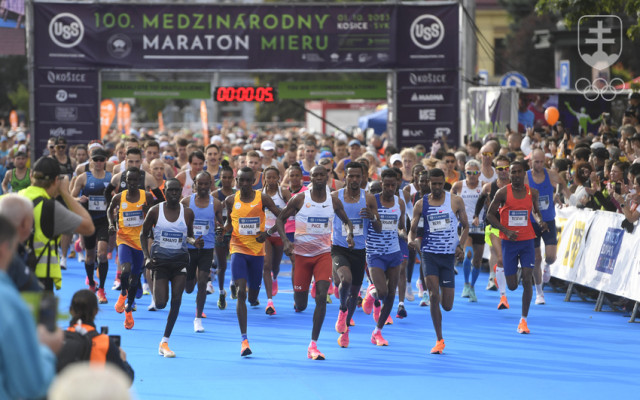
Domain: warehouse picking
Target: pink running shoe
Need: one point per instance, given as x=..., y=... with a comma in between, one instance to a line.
x=367, y=303
x=341, y=324
x=378, y=340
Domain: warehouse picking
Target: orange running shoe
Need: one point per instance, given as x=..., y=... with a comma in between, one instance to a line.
x=504, y=304
x=102, y=298
x=343, y=339
x=245, y=350
x=522, y=327
x=341, y=323
x=389, y=321
x=120, y=304
x=128, y=320
x=438, y=348
x=313, y=352
x=165, y=351
x=378, y=340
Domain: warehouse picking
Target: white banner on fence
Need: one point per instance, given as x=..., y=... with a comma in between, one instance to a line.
x=572, y=224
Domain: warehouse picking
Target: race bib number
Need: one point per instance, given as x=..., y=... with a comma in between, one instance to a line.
x=200, y=227
x=389, y=222
x=249, y=226
x=518, y=218
x=477, y=229
x=318, y=225
x=97, y=203
x=132, y=218
x=438, y=222
x=544, y=202
x=358, y=227
x=171, y=240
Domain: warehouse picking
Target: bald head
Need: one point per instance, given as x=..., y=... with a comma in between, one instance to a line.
x=157, y=169
x=537, y=160
x=19, y=211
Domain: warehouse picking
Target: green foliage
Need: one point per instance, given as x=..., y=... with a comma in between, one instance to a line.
x=13, y=70
x=20, y=99
x=150, y=109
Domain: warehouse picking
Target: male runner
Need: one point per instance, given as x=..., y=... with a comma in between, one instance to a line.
x=516, y=202
x=349, y=264
x=384, y=254
x=545, y=182
x=440, y=246
x=131, y=206
x=313, y=210
x=207, y=210
x=172, y=227
x=89, y=191
x=196, y=162
x=17, y=178
x=247, y=219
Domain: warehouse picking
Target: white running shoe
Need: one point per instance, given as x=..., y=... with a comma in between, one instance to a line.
x=210, y=289
x=116, y=284
x=420, y=287
x=540, y=299
x=546, y=274
x=146, y=290
x=197, y=325
x=63, y=262
x=152, y=306
x=424, y=302
x=81, y=257
x=409, y=294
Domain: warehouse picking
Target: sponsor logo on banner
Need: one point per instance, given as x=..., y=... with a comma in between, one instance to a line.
x=609, y=250
x=65, y=132
x=427, y=31
x=412, y=132
x=119, y=45
x=62, y=95
x=66, y=30
x=427, y=97
x=427, y=114
x=442, y=132
x=427, y=78
x=66, y=77
x=66, y=113
x=573, y=247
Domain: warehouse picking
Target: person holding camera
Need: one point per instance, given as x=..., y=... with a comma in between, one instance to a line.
x=105, y=348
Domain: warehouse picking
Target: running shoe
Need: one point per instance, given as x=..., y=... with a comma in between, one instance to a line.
x=313, y=290
x=540, y=299
x=343, y=339
x=146, y=290
x=424, y=302
x=402, y=313
x=420, y=287
x=359, y=302
x=133, y=306
x=472, y=295
x=376, y=311
x=336, y=292
x=102, y=298
x=165, y=351
x=152, y=306
x=378, y=340
x=352, y=322
x=255, y=303
x=270, y=310
x=274, y=287
x=504, y=304
x=128, y=320
x=546, y=274
x=203, y=314
x=313, y=352
x=210, y=289
x=341, y=324
x=139, y=292
x=93, y=287
x=232, y=289
x=116, y=284
x=408, y=294
x=522, y=327
x=329, y=301
x=197, y=325
x=465, y=291
x=81, y=257
x=492, y=285
x=367, y=303
x=389, y=321
x=455, y=270
x=120, y=304
x=222, y=301
x=244, y=349
x=438, y=348
x=330, y=290
x=63, y=262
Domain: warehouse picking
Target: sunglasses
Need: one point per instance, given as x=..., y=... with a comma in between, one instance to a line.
x=502, y=168
x=51, y=147
x=487, y=154
x=170, y=158
x=61, y=147
x=99, y=159
x=472, y=173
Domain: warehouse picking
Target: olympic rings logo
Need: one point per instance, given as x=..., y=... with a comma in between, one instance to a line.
x=599, y=88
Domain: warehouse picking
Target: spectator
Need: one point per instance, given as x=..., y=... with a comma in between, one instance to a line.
x=581, y=196
x=47, y=183
x=26, y=366
x=85, y=382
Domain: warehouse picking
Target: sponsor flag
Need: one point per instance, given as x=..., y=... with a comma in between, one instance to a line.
x=13, y=119
x=205, y=122
x=107, y=114
x=126, y=119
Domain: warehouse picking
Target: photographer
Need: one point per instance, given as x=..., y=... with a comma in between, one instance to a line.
x=83, y=310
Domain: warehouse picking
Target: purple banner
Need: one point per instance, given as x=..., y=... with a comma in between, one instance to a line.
x=428, y=107
x=246, y=37
x=67, y=104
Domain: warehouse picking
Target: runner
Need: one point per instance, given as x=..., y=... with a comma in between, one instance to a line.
x=131, y=206
x=544, y=181
x=273, y=247
x=296, y=185
x=247, y=222
x=309, y=161
x=440, y=246
x=313, y=211
x=404, y=248
x=222, y=242
x=213, y=167
x=469, y=190
x=17, y=178
x=516, y=202
x=254, y=161
x=349, y=263
x=412, y=191
x=384, y=254
x=207, y=210
x=171, y=225
x=196, y=163
x=89, y=191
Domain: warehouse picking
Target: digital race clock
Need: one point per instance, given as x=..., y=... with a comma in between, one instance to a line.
x=265, y=94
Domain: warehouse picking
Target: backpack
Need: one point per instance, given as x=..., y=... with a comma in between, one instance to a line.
x=47, y=227
x=76, y=348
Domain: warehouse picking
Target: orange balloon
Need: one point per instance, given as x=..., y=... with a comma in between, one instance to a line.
x=551, y=114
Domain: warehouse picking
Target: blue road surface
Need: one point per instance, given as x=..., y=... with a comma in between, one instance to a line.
x=572, y=351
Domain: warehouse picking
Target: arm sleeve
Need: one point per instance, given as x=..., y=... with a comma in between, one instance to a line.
x=480, y=204
x=107, y=192
x=65, y=221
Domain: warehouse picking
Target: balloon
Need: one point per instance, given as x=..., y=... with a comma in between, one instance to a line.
x=551, y=114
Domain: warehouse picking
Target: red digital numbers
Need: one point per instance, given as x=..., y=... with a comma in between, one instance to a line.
x=265, y=94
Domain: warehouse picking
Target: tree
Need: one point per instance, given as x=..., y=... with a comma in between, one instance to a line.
x=20, y=98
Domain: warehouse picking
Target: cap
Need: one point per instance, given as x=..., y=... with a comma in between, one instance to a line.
x=355, y=142
x=236, y=151
x=277, y=137
x=98, y=152
x=395, y=158
x=94, y=146
x=21, y=137
x=597, y=145
x=267, y=145
x=601, y=153
x=248, y=147
x=46, y=167
x=20, y=154
x=326, y=154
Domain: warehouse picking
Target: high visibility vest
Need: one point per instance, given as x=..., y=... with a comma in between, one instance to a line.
x=48, y=265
